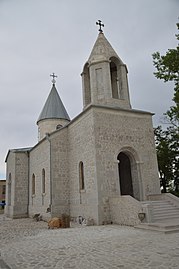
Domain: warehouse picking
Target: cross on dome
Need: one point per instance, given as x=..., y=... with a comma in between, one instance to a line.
x=54, y=76
x=100, y=25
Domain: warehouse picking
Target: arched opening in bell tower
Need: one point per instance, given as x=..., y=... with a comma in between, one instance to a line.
x=114, y=80
x=86, y=85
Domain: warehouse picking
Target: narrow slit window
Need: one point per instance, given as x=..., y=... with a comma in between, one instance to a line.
x=33, y=184
x=81, y=176
x=9, y=189
x=43, y=180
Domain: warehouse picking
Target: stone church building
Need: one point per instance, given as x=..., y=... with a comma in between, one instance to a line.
x=99, y=165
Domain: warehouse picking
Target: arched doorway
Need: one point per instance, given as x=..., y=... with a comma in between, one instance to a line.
x=125, y=175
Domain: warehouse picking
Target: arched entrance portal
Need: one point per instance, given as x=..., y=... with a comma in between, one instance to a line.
x=125, y=177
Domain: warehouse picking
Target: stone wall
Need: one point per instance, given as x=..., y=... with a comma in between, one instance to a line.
x=124, y=210
x=21, y=185
x=60, y=172
x=40, y=159
x=81, y=148
x=17, y=166
x=10, y=184
x=130, y=132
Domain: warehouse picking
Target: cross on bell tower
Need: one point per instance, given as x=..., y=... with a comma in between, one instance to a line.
x=54, y=76
x=100, y=25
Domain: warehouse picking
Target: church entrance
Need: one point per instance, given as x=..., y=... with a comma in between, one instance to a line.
x=125, y=177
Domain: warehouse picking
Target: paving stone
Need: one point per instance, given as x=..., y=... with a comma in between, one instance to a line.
x=29, y=244
x=3, y=265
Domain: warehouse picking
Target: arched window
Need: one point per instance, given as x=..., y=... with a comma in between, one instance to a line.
x=81, y=176
x=33, y=184
x=43, y=180
x=59, y=126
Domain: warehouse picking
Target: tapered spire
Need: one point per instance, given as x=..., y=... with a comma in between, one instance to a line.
x=102, y=50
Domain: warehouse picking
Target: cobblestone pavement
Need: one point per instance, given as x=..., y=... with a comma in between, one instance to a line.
x=28, y=244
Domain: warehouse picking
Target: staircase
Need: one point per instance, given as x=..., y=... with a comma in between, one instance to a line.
x=163, y=216
x=163, y=211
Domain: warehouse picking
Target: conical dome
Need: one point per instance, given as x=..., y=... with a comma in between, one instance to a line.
x=53, y=108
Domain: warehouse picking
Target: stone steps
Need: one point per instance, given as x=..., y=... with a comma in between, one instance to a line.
x=163, y=211
x=164, y=215
x=160, y=227
x=165, y=220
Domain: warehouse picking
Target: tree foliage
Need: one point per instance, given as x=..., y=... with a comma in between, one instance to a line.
x=165, y=158
x=167, y=141
x=168, y=70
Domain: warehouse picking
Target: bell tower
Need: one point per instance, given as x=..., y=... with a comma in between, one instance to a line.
x=104, y=76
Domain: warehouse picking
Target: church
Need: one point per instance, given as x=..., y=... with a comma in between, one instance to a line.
x=101, y=165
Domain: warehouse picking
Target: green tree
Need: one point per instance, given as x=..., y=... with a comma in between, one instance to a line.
x=167, y=141
x=165, y=158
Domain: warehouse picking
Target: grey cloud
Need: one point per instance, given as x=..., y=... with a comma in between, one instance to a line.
x=40, y=37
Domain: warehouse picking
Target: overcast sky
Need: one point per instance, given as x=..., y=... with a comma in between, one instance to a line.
x=38, y=37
